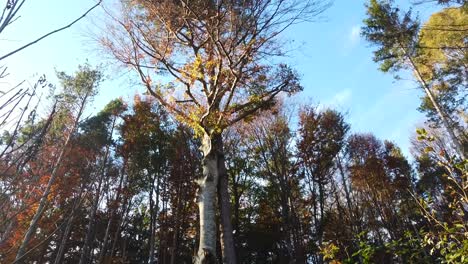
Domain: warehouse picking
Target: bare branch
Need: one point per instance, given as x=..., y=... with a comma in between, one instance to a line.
x=45, y=35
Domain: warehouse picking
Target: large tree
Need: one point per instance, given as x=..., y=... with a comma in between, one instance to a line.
x=396, y=36
x=217, y=55
x=443, y=61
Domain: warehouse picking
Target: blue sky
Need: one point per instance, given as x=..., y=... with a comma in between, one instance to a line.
x=335, y=64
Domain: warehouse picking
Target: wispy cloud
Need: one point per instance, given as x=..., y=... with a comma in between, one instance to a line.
x=351, y=38
x=340, y=100
x=355, y=34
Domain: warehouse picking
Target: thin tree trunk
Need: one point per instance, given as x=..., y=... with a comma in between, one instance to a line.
x=61, y=250
x=153, y=211
x=227, y=238
x=90, y=230
x=102, y=253
x=124, y=249
x=162, y=254
x=151, y=227
x=43, y=201
x=178, y=218
x=206, y=201
x=236, y=204
x=125, y=210
x=345, y=185
x=106, y=235
x=322, y=213
x=175, y=238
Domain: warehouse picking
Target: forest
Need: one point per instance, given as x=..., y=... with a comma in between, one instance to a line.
x=214, y=163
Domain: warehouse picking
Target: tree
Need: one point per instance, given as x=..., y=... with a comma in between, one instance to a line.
x=101, y=129
x=442, y=196
x=146, y=134
x=216, y=52
x=382, y=181
x=443, y=61
x=321, y=138
x=396, y=37
x=270, y=142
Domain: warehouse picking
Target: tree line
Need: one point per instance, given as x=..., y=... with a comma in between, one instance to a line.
x=215, y=166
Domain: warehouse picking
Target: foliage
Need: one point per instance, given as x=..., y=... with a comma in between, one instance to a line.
x=448, y=235
x=394, y=34
x=402, y=44
x=442, y=60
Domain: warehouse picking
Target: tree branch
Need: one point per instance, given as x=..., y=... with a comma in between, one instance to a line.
x=51, y=32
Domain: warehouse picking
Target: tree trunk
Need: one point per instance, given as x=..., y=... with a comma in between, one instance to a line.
x=102, y=254
x=151, y=226
x=227, y=238
x=154, y=215
x=286, y=221
x=345, y=185
x=178, y=219
x=236, y=195
x=61, y=250
x=125, y=210
x=66, y=232
x=84, y=259
x=320, y=183
x=175, y=241
x=113, y=212
x=206, y=201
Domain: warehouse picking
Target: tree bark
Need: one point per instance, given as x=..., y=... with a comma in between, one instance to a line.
x=113, y=212
x=179, y=216
x=66, y=233
x=227, y=238
x=125, y=210
x=206, y=201
x=154, y=215
x=84, y=258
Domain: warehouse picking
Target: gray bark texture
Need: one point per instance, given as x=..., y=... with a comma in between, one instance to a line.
x=66, y=233
x=206, y=201
x=227, y=237
x=212, y=185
